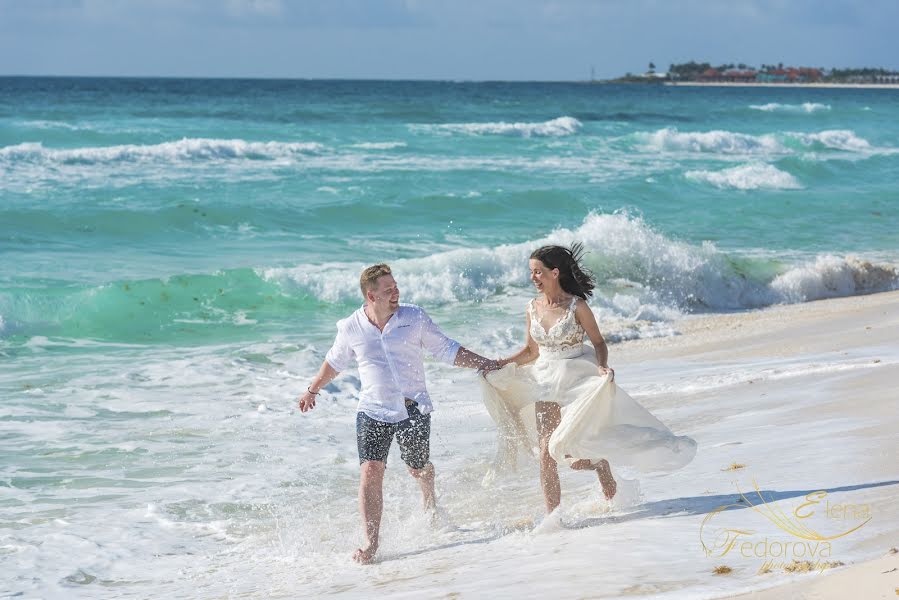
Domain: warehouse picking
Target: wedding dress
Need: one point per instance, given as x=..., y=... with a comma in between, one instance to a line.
x=599, y=420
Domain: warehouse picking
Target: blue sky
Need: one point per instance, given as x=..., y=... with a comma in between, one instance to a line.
x=435, y=39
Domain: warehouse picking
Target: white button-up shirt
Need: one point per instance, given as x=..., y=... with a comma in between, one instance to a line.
x=390, y=362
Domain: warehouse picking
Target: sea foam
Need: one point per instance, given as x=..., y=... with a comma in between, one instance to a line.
x=656, y=276
x=805, y=107
x=730, y=143
x=719, y=142
x=830, y=276
x=558, y=127
x=379, y=145
x=184, y=149
x=751, y=176
x=836, y=139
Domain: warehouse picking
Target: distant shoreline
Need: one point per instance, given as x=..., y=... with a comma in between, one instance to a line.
x=866, y=86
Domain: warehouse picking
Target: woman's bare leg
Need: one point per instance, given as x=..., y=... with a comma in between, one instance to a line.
x=608, y=483
x=549, y=414
x=603, y=471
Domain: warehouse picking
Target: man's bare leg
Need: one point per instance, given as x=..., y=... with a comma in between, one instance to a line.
x=425, y=477
x=371, y=505
x=549, y=415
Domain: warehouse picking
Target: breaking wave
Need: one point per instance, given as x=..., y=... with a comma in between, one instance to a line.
x=751, y=176
x=805, y=107
x=189, y=149
x=561, y=126
x=641, y=271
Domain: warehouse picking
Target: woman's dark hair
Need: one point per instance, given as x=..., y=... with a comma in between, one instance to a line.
x=573, y=278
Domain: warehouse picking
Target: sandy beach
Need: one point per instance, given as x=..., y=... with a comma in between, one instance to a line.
x=859, y=86
x=861, y=327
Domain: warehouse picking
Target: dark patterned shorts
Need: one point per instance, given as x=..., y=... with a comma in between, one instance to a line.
x=413, y=436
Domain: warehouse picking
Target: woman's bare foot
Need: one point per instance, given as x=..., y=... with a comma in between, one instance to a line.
x=365, y=556
x=609, y=486
x=582, y=464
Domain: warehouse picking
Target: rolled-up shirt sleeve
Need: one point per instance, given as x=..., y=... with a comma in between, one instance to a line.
x=341, y=354
x=436, y=343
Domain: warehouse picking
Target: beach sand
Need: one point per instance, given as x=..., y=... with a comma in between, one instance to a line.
x=846, y=333
x=798, y=400
x=877, y=578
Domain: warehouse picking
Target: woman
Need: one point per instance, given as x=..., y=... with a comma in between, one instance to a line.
x=581, y=415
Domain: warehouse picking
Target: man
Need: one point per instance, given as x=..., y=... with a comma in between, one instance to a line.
x=386, y=339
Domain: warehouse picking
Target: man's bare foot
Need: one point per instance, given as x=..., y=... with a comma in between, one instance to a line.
x=609, y=486
x=365, y=556
x=582, y=464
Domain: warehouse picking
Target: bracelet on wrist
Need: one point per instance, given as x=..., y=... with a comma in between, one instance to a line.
x=309, y=389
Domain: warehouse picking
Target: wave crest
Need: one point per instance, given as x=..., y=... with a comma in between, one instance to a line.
x=718, y=141
x=642, y=273
x=379, y=145
x=835, y=139
x=558, y=127
x=805, y=107
x=832, y=277
x=735, y=144
x=184, y=149
x=751, y=176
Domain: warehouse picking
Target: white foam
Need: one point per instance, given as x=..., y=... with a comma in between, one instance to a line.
x=45, y=124
x=663, y=276
x=805, y=107
x=750, y=176
x=838, y=139
x=184, y=149
x=719, y=142
x=379, y=145
x=730, y=143
x=560, y=126
x=228, y=501
x=833, y=276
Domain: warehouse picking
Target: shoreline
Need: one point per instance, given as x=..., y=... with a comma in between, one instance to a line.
x=860, y=86
x=713, y=332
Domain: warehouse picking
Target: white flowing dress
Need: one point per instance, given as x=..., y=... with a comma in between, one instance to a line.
x=599, y=420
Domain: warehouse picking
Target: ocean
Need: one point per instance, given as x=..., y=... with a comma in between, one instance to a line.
x=176, y=253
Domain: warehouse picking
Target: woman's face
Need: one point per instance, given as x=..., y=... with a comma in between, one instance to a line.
x=543, y=278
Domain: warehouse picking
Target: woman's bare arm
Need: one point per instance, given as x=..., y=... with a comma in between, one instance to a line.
x=585, y=317
x=530, y=352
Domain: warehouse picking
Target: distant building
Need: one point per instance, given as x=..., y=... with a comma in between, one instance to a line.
x=737, y=76
x=771, y=76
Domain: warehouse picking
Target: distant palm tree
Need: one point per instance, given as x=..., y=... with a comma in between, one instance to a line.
x=652, y=67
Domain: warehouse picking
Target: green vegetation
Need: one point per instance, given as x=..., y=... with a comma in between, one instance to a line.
x=743, y=73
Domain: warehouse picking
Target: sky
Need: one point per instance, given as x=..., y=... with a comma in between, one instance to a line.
x=436, y=39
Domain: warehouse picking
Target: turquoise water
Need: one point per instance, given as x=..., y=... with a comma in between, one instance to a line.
x=129, y=206
x=176, y=252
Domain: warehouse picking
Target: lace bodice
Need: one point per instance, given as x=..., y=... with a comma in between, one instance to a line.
x=564, y=339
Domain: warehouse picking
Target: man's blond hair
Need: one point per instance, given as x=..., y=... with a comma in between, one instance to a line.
x=369, y=278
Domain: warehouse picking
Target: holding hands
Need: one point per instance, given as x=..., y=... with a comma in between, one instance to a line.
x=490, y=365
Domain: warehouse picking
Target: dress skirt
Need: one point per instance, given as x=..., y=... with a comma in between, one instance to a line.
x=599, y=420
